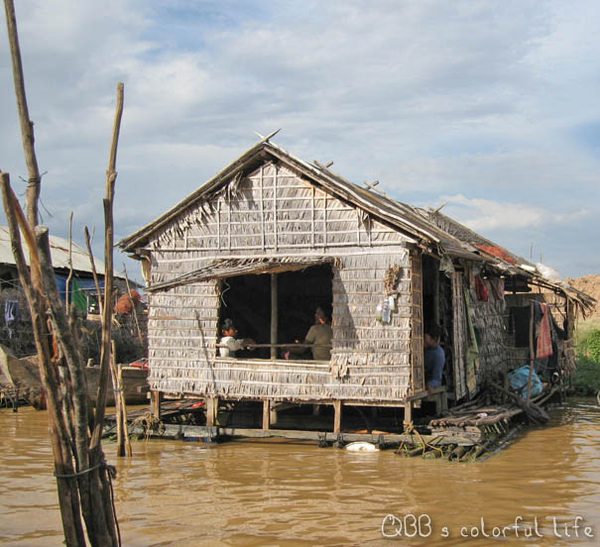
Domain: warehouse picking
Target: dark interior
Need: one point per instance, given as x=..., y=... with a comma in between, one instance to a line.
x=246, y=299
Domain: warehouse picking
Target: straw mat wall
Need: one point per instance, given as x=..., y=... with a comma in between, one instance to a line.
x=272, y=212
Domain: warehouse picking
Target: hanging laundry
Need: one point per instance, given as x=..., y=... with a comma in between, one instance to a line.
x=544, y=338
x=497, y=286
x=481, y=290
x=12, y=316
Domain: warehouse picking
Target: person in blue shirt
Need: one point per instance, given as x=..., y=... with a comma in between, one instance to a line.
x=435, y=359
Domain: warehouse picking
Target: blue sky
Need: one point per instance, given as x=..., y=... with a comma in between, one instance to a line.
x=489, y=107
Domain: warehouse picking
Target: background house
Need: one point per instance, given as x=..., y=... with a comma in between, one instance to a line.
x=15, y=327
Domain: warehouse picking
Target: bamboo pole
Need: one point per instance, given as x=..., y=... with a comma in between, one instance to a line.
x=117, y=396
x=107, y=310
x=88, y=243
x=70, y=276
x=34, y=182
x=59, y=437
x=92, y=475
x=124, y=411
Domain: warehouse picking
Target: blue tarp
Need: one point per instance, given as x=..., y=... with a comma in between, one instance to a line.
x=519, y=379
x=77, y=285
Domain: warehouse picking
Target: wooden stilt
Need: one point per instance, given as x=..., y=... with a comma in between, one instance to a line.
x=266, y=423
x=212, y=409
x=337, y=416
x=273, y=414
x=155, y=400
x=408, y=414
x=274, y=315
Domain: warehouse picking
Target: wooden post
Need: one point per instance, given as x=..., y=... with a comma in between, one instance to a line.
x=266, y=422
x=124, y=410
x=408, y=419
x=155, y=400
x=88, y=243
x=30, y=279
x=274, y=315
x=272, y=414
x=212, y=410
x=118, y=408
x=34, y=180
x=531, y=348
x=70, y=262
x=105, y=350
x=86, y=493
x=337, y=416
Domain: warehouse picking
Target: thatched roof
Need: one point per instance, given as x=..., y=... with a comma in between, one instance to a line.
x=434, y=232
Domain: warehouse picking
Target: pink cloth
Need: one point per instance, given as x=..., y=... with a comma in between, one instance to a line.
x=544, y=339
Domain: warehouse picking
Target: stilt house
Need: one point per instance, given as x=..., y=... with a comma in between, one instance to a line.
x=271, y=237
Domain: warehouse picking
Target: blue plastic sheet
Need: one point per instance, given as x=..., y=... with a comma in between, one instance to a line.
x=519, y=379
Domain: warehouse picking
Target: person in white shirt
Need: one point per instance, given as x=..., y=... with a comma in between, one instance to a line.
x=228, y=345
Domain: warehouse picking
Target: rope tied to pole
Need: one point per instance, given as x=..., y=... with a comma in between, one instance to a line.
x=111, y=473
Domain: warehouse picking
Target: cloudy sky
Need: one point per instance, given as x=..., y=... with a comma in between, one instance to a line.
x=488, y=107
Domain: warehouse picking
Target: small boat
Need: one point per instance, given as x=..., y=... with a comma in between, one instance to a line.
x=23, y=376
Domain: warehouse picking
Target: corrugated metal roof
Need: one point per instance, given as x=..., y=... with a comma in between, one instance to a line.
x=59, y=249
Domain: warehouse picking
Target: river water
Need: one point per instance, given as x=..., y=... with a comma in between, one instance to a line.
x=249, y=493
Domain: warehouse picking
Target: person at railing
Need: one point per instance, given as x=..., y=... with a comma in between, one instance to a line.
x=318, y=337
x=228, y=345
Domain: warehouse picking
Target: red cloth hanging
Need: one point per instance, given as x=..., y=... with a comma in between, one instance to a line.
x=544, y=339
x=481, y=290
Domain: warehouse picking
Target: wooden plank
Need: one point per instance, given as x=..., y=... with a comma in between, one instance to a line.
x=175, y=431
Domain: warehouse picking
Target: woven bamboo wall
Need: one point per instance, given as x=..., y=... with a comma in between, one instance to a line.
x=487, y=318
x=272, y=212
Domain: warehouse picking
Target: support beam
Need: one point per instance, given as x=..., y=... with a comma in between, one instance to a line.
x=337, y=416
x=212, y=409
x=155, y=400
x=274, y=315
x=266, y=421
x=273, y=414
x=408, y=419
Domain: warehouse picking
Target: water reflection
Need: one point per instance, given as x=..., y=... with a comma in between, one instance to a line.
x=281, y=493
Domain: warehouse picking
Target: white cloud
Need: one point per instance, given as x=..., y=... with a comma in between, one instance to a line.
x=476, y=99
x=484, y=215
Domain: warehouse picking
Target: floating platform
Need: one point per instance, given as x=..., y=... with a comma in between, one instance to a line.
x=460, y=434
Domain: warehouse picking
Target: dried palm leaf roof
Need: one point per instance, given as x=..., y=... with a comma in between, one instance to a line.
x=432, y=230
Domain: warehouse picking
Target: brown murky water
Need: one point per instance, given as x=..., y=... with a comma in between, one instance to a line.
x=248, y=493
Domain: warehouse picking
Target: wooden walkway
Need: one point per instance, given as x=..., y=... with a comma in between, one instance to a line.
x=184, y=419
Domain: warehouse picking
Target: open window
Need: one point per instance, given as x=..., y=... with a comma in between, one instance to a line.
x=246, y=300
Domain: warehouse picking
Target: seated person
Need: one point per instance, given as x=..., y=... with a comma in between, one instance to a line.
x=435, y=358
x=318, y=336
x=229, y=344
